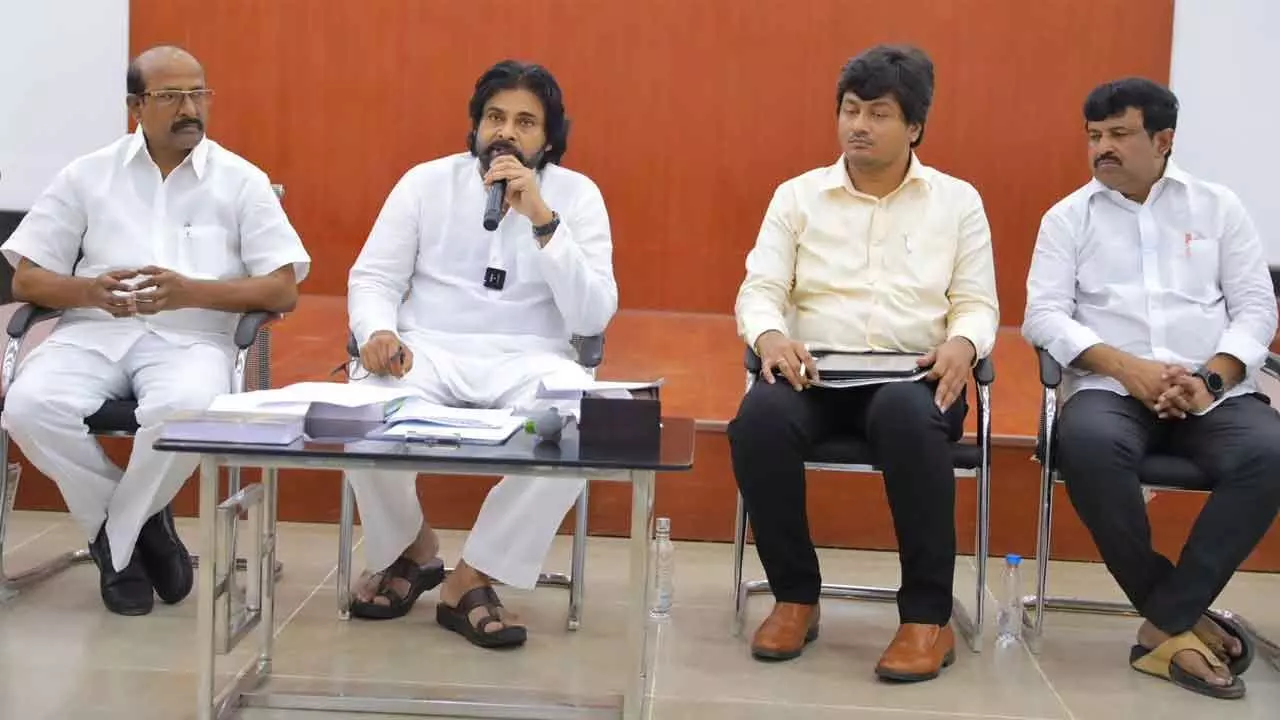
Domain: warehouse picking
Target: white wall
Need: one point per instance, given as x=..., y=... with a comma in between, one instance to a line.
x=1225, y=72
x=62, y=65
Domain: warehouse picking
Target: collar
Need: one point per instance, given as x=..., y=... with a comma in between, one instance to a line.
x=198, y=157
x=1172, y=172
x=836, y=177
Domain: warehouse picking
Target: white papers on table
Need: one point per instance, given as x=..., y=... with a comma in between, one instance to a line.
x=416, y=409
x=572, y=386
x=296, y=399
x=415, y=430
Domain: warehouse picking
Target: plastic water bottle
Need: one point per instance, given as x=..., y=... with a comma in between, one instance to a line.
x=1009, y=614
x=663, y=570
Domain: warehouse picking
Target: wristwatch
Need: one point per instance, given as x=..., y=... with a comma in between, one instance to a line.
x=541, y=231
x=1212, y=381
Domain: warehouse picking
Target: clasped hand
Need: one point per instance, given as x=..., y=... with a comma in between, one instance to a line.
x=1170, y=391
x=146, y=291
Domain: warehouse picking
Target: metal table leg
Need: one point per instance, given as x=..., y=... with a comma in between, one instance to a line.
x=635, y=697
x=205, y=589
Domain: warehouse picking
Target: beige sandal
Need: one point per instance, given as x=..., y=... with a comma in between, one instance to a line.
x=1159, y=663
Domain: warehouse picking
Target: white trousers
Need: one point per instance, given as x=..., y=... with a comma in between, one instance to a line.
x=521, y=514
x=59, y=385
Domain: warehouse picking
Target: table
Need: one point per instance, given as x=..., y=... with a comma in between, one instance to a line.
x=254, y=613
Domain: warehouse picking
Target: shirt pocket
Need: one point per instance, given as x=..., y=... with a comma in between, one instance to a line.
x=206, y=252
x=1196, y=267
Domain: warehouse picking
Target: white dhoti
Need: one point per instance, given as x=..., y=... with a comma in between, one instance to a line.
x=59, y=385
x=521, y=514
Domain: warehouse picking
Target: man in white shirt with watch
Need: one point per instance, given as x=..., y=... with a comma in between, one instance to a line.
x=876, y=252
x=1150, y=287
x=151, y=247
x=479, y=318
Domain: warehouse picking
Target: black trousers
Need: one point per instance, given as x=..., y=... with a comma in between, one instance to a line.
x=1102, y=439
x=773, y=434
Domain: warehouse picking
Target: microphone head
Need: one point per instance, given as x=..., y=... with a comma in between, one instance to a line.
x=490, y=224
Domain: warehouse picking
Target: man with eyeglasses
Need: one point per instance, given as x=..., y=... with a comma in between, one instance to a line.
x=479, y=317
x=151, y=247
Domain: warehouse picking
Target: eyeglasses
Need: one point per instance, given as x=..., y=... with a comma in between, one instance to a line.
x=353, y=369
x=173, y=98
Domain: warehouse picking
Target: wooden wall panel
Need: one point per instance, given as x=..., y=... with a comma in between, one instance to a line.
x=687, y=114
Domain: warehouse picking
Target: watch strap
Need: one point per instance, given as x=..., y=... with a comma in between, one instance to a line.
x=541, y=231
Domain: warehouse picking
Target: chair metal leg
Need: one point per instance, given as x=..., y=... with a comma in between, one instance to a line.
x=740, y=591
x=11, y=585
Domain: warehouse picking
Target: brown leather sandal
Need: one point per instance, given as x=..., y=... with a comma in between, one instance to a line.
x=457, y=619
x=421, y=578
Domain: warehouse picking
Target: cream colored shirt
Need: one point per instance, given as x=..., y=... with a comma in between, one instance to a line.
x=842, y=270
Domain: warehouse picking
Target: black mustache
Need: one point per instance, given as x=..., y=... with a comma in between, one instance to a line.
x=184, y=124
x=1101, y=158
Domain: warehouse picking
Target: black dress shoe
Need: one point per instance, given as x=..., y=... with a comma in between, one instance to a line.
x=165, y=558
x=127, y=592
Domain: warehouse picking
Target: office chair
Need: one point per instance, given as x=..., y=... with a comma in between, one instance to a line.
x=1158, y=472
x=590, y=351
x=116, y=418
x=852, y=455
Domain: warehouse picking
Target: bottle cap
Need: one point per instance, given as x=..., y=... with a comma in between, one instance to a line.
x=664, y=524
x=1013, y=558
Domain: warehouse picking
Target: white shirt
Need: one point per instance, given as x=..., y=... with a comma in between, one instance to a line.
x=423, y=266
x=215, y=217
x=842, y=270
x=1176, y=279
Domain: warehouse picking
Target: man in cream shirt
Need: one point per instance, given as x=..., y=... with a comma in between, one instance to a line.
x=197, y=233
x=478, y=318
x=1151, y=287
x=877, y=252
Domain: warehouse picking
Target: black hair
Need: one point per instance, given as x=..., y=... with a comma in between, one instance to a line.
x=903, y=71
x=1158, y=104
x=512, y=74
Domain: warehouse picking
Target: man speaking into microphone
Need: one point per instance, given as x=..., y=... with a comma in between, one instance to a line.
x=477, y=273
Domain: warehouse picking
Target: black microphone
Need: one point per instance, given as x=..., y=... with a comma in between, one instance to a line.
x=493, y=205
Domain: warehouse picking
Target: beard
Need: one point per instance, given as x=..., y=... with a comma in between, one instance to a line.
x=503, y=147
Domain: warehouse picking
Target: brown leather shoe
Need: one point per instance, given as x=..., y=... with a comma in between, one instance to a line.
x=918, y=652
x=785, y=632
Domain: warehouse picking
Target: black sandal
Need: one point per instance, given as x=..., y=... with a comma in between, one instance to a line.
x=457, y=620
x=421, y=578
x=1237, y=664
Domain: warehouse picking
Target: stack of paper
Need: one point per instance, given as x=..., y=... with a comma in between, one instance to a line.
x=419, y=420
x=572, y=386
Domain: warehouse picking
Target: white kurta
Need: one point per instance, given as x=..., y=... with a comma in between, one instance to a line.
x=214, y=217
x=421, y=275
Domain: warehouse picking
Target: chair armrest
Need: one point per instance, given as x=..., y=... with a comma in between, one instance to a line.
x=249, y=325
x=590, y=350
x=984, y=373
x=1272, y=364
x=26, y=316
x=751, y=361
x=1050, y=370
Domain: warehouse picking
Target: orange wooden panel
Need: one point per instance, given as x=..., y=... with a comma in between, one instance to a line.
x=687, y=114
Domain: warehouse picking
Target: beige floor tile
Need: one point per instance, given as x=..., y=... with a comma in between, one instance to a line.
x=62, y=656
